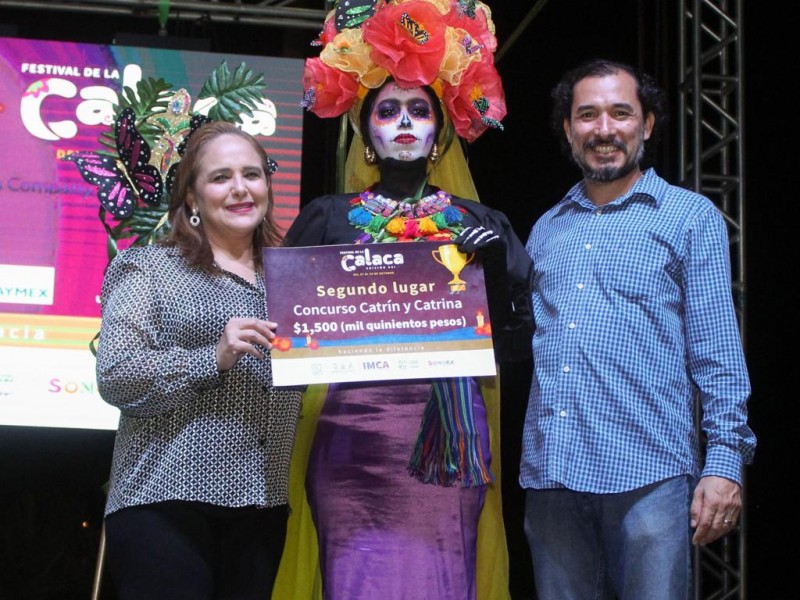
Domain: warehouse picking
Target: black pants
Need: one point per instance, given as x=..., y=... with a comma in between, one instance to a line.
x=189, y=550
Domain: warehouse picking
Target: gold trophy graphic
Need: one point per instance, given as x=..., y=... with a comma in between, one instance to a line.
x=454, y=261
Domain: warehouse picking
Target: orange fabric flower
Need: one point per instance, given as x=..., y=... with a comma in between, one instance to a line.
x=348, y=52
x=334, y=90
x=408, y=41
x=456, y=58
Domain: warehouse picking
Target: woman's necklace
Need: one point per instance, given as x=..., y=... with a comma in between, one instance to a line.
x=385, y=220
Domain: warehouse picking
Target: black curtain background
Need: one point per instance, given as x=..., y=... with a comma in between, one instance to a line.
x=51, y=480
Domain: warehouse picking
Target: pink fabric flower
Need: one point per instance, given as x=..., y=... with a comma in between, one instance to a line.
x=481, y=28
x=328, y=29
x=334, y=91
x=408, y=41
x=480, y=96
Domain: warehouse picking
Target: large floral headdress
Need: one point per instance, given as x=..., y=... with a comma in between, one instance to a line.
x=447, y=45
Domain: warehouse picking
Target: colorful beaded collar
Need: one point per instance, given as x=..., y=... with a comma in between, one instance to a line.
x=385, y=220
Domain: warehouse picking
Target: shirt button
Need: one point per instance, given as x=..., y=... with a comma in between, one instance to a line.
x=598, y=212
x=262, y=442
x=572, y=326
x=566, y=369
x=563, y=413
x=580, y=286
x=587, y=246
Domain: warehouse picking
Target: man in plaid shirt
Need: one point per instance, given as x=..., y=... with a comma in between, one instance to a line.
x=634, y=317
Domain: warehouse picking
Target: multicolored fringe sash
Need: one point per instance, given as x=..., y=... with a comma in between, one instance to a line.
x=448, y=447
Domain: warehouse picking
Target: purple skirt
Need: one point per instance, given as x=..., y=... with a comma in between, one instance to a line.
x=383, y=534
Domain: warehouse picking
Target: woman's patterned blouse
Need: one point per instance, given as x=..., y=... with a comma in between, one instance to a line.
x=187, y=431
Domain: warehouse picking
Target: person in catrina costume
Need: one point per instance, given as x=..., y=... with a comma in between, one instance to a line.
x=396, y=514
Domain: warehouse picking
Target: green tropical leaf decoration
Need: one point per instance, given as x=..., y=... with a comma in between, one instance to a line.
x=145, y=226
x=235, y=93
x=150, y=98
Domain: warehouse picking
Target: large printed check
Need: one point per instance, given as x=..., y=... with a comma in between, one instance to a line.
x=383, y=311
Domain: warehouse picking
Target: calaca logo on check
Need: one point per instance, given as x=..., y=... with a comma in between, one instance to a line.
x=369, y=259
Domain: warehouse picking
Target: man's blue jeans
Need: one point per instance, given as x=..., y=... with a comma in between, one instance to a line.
x=632, y=545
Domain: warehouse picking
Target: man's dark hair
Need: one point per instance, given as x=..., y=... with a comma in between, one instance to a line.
x=651, y=97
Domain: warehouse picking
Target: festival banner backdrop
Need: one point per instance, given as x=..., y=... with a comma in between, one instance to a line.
x=57, y=98
x=385, y=311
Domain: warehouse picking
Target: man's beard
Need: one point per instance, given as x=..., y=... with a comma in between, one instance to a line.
x=609, y=173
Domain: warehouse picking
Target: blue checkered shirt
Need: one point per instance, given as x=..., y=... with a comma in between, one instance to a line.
x=634, y=317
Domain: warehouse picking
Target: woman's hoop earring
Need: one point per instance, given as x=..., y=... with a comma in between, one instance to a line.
x=434, y=154
x=369, y=155
x=194, y=220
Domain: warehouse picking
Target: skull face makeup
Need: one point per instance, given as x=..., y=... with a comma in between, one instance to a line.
x=402, y=124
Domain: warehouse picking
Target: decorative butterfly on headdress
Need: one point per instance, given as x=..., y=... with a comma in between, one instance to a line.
x=466, y=7
x=131, y=177
x=414, y=29
x=351, y=14
x=123, y=180
x=482, y=106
